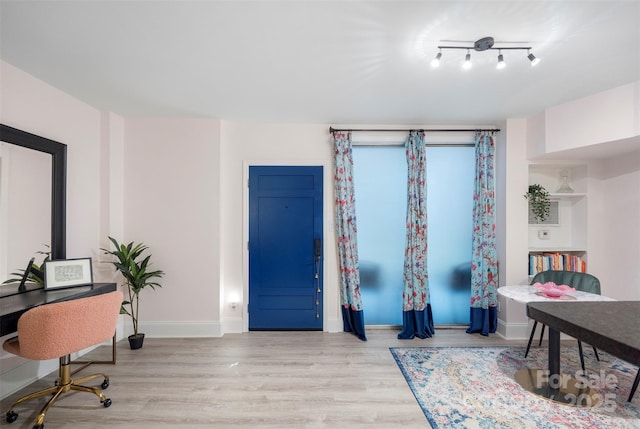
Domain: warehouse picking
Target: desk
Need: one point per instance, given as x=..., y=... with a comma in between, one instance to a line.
x=609, y=326
x=14, y=303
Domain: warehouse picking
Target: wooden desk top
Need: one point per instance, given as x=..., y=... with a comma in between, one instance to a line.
x=14, y=304
x=613, y=326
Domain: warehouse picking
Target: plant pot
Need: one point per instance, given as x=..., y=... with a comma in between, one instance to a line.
x=135, y=341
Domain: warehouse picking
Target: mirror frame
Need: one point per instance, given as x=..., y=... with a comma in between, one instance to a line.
x=58, y=152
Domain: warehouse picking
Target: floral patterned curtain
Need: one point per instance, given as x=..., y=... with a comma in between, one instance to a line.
x=417, y=319
x=484, y=260
x=347, y=235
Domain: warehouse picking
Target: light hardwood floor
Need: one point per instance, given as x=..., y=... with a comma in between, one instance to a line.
x=255, y=379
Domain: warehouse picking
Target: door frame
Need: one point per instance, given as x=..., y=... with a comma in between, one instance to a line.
x=329, y=288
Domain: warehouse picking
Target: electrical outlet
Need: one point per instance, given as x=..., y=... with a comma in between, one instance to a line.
x=543, y=234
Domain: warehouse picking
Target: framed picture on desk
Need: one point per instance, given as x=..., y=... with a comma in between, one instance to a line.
x=67, y=273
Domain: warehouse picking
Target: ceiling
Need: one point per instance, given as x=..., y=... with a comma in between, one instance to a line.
x=335, y=62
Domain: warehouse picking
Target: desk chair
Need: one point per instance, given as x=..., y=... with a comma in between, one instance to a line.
x=57, y=330
x=579, y=281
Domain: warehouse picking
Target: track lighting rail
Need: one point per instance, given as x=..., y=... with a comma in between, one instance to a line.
x=480, y=45
x=496, y=49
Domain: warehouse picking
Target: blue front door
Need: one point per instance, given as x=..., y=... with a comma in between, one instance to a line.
x=285, y=248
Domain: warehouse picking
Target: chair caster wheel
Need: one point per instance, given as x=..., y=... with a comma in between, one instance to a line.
x=11, y=417
x=107, y=403
x=105, y=384
x=38, y=426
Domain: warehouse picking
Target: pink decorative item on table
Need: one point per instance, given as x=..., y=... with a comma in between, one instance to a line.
x=552, y=290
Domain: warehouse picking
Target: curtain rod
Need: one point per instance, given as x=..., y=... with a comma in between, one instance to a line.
x=438, y=130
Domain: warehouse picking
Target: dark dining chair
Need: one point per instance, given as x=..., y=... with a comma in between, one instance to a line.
x=579, y=281
x=635, y=386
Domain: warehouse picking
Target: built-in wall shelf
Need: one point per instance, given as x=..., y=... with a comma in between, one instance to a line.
x=561, y=242
x=557, y=249
x=566, y=195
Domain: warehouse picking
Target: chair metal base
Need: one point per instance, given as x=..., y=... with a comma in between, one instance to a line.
x=63, y=385
x=86, y=363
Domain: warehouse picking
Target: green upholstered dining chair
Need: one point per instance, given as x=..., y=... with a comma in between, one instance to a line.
x=579, y=281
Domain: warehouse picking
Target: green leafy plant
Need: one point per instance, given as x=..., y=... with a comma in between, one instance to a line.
x=36, y=273
x=135, y=268
x=539, y=201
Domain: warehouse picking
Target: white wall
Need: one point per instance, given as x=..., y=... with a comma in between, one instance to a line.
x=179, y=186
x=515, y=219
x=31, y=105
x=620, y=183
x=172, y=204
x=586, y=128
x=111, y=189
x=34, y=106
x=512, y=236
x=604, y=117
x=165, y=181
x=252, y=143
x=577, y=132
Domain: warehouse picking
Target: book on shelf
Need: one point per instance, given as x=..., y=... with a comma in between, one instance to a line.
x=556, y=261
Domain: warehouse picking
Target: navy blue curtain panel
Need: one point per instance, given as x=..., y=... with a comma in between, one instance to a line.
x=483, y=321
x=353, y=321
x=417, y=323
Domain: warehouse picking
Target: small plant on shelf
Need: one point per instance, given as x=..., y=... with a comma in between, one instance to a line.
x=539, y=201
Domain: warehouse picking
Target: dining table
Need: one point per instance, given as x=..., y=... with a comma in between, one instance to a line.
x=528, y=293
x=551, y=383
x=611, y=326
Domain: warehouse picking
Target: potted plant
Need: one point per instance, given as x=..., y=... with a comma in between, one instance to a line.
x=539, y=201
x=35, y=272
x=137, y=275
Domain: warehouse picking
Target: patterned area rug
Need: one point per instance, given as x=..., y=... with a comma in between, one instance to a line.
x=474, y=387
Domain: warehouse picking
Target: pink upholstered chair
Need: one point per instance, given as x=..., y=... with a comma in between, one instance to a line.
x=57, y=330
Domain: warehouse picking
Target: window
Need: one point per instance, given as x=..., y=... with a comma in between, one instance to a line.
x=380, y=174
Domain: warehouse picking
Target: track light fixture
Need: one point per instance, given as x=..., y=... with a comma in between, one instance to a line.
x=501, y=64
x=484, y=44
x=533, y=59
x=436, y=61
x=467, y=61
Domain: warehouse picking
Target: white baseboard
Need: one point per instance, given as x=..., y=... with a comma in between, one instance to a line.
x=513, y=331
x=522, y=331
x=235, y=325
x=229, y=325
x=232, y=325
x=334, y=325
x=23, y=375
x=180, y=329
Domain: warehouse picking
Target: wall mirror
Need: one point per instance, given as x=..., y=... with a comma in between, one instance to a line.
x=32, y=198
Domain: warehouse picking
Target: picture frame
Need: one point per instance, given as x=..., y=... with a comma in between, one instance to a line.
x=65, y=273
